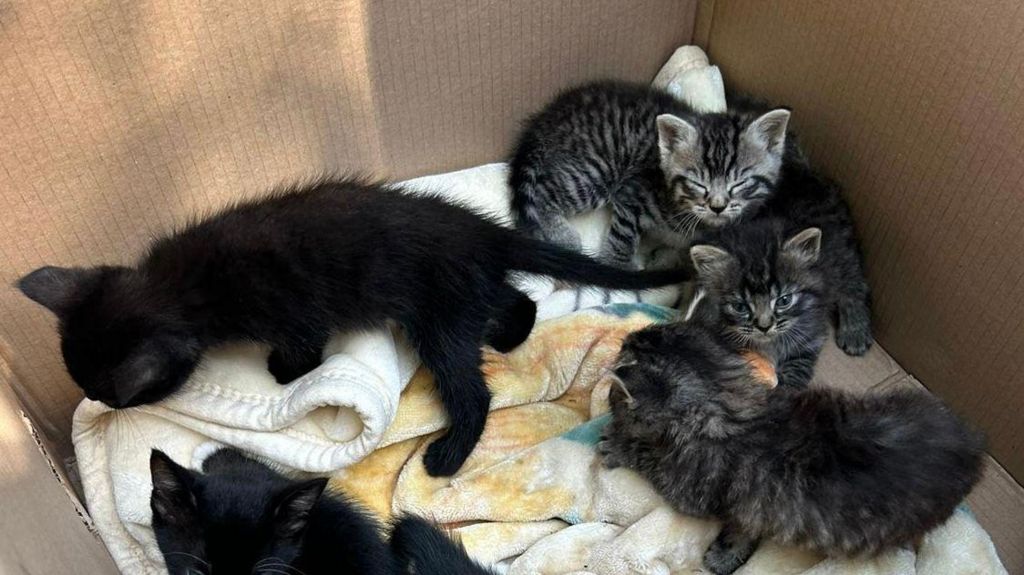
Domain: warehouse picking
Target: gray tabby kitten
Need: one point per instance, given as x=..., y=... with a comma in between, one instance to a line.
x=659, y=166
x=763, y=287
x=832, y=472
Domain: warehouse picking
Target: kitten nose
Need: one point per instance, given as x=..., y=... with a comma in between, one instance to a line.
x=716, y=209
x=764, y=325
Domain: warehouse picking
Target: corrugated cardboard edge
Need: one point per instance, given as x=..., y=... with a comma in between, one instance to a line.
x=66, y=480
x=63, y=473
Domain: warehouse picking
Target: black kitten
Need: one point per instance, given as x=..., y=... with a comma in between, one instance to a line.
x=290, y=269
x=817, y=468
x=424, y=550
x=241, y=517
x=765, y=288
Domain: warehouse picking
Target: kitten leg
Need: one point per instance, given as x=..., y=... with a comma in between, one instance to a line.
x=729, y=551
x=797, y=371
x=624, y=236
x=451, y=352
x=853, y=326
x=513, y=322
x=287, y=364
x=555, y=228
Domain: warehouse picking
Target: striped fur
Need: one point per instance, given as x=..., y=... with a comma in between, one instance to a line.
x=660, y=167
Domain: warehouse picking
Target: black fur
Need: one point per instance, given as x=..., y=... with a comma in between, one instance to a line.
x=240, y=517
x=834, y=472
x=424, y=550
x=289, y=270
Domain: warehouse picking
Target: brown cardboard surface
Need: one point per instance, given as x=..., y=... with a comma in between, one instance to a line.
x=120, y=119
x=41, y=531
x=916, y=106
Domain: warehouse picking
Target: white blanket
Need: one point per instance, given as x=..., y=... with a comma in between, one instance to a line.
x=331, y=417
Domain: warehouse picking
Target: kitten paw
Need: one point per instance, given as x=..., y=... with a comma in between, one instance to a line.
x=854, y=340
x=722, y=560
x=609, y=457
x=445, y=456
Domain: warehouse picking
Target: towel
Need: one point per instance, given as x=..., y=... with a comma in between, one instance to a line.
x=534, y=498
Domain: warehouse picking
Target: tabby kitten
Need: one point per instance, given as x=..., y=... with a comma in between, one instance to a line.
x=832, y=472
x=763, y=287
x=290, y=269
x=659, y=166
x=239, y=517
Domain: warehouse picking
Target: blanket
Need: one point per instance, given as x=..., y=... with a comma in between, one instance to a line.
x=534, y=498
x=327, y=420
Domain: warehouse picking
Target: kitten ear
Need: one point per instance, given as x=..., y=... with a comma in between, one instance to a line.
x=675, y=133
x=770, y=130
x=805, y=246
x=172, y=500
x=294, y=507
x=709, y=260
x=57, y=288
x=140, y=373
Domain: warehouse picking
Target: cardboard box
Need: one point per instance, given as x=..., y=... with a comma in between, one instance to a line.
x=122, y=119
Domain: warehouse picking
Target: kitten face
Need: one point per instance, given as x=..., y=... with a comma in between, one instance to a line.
x=121, y=345
x=764, y=289
x=719, y=169
x=209, y=525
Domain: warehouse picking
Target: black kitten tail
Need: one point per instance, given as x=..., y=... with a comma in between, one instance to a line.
x=539, y=257
x=422, y=549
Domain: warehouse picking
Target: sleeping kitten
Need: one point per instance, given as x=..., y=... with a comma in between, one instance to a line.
x=240, y=516
x=765, y=288
x=659, y=166
x=292, y=268
x=816, y=468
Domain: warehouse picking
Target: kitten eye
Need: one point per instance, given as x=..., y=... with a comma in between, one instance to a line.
x=741, y=184
x=739, y=308
x=697, y=185
x=784, y=301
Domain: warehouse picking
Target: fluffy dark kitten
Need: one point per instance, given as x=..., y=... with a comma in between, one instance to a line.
x=658, y=165
x=241, y=517
x=804, y=198
x=817, y=468
x=764, y=287
x=289, y=270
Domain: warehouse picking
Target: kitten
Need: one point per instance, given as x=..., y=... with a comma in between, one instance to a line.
x=290, y=269
x=764, y=288
x=241, y=517
x=804, y=198
x=659, y=166
x=238, y=517
x=828, y=471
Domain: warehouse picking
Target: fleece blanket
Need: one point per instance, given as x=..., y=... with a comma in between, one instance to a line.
x=330, y=418
x=534, y=498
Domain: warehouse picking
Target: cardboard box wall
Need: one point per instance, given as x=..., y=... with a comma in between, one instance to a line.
x=121, y=118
